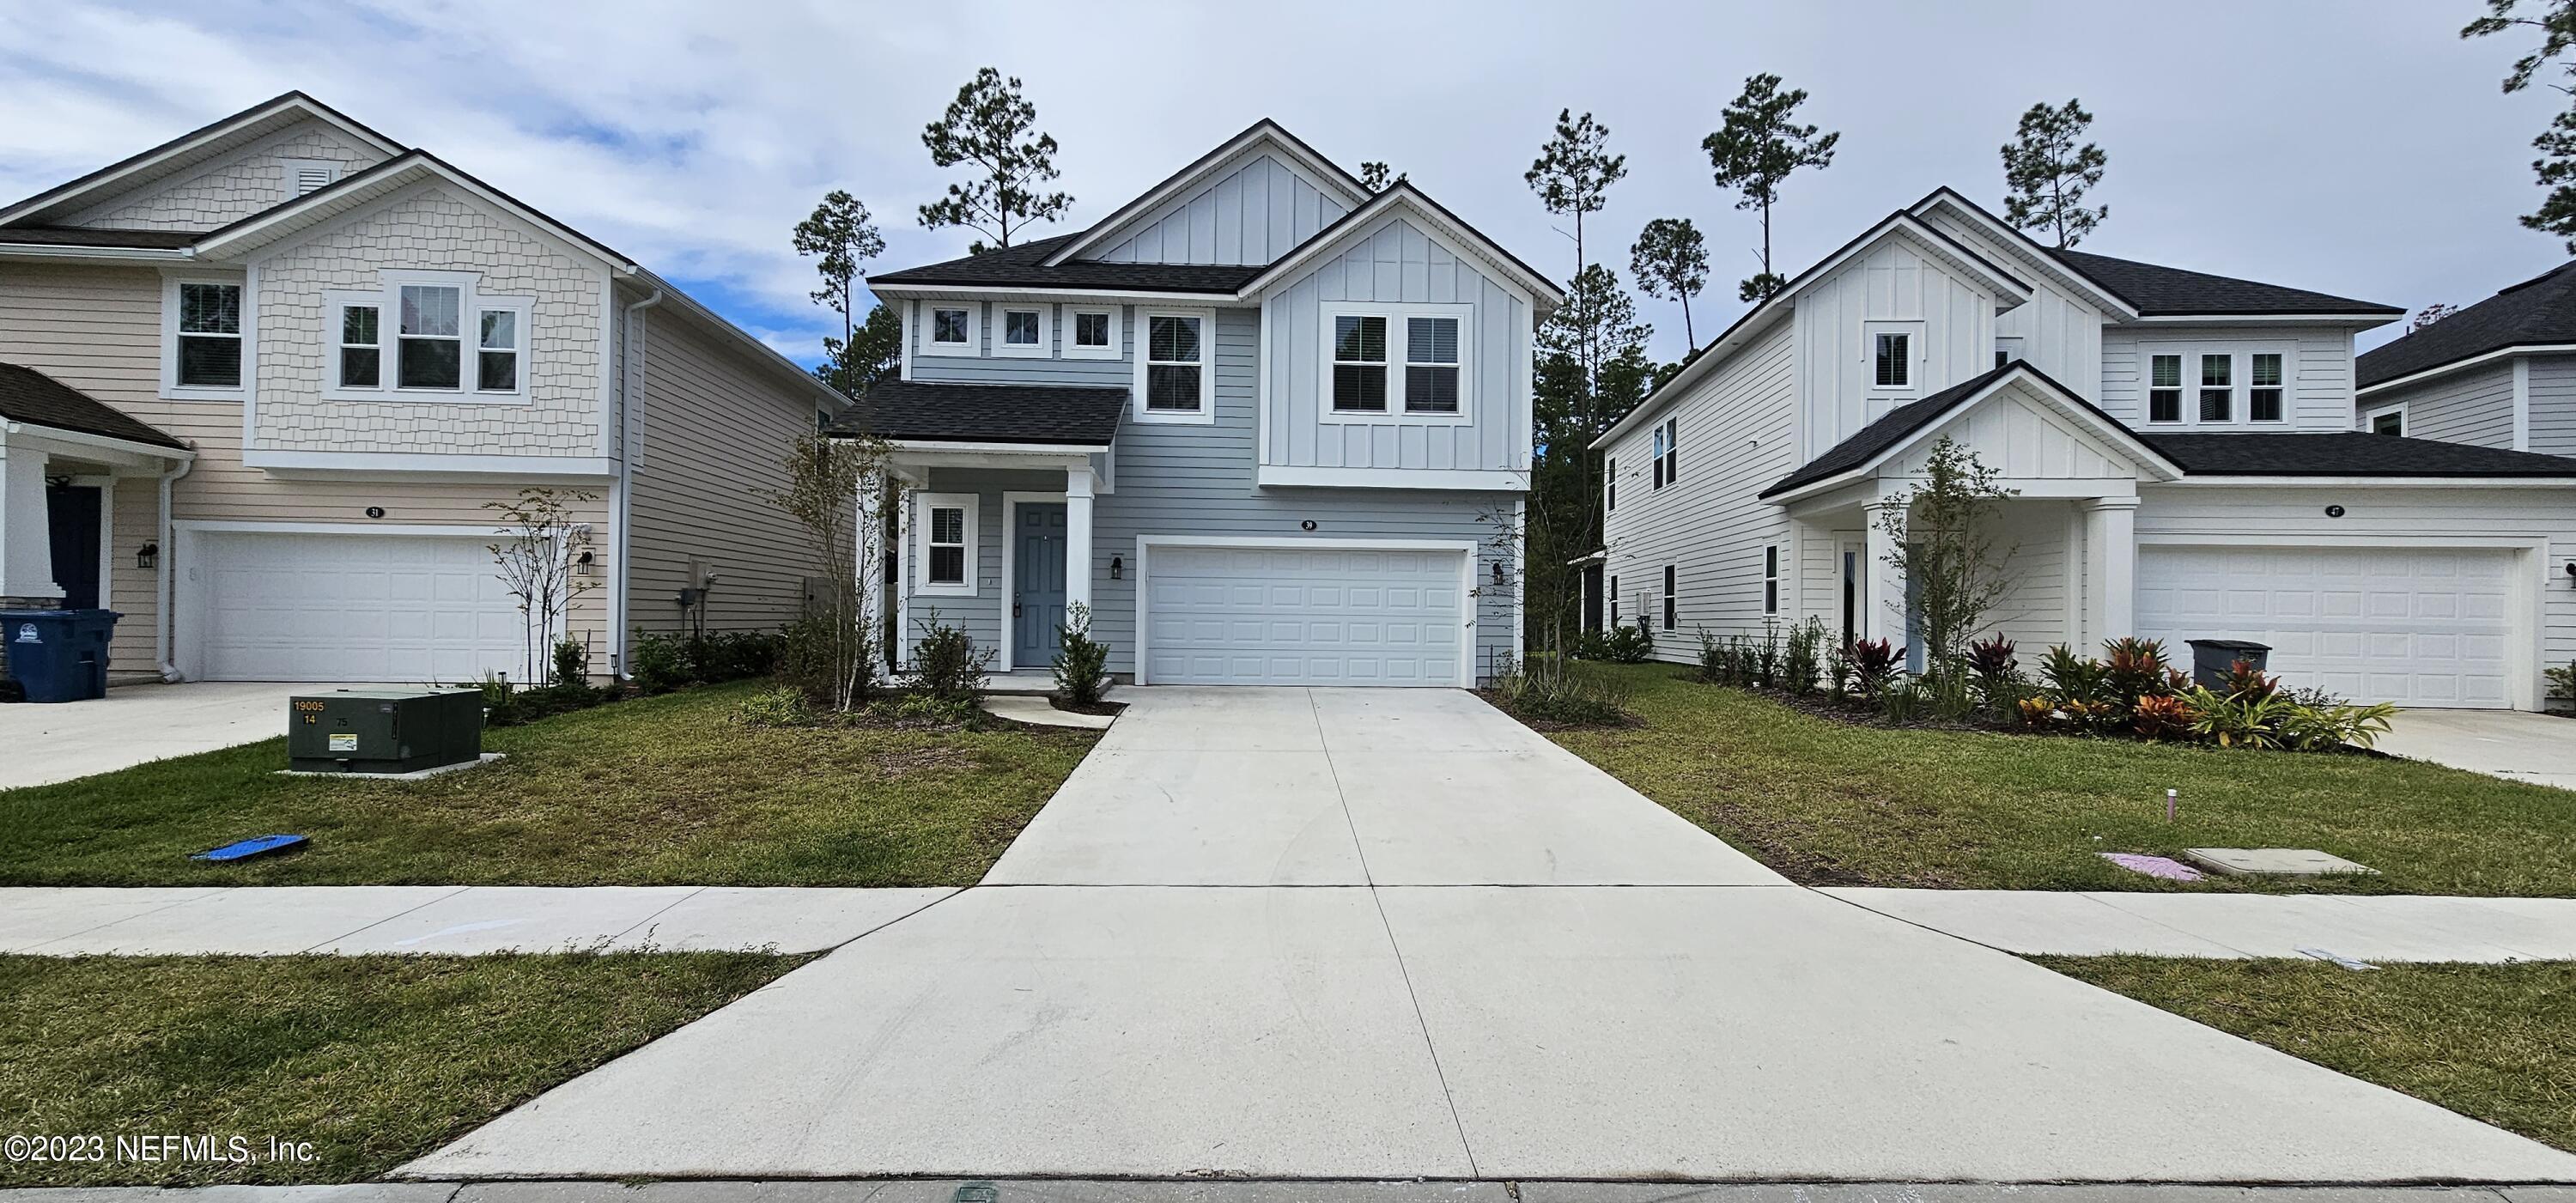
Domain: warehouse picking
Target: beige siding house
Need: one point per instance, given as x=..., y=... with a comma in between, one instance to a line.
x=270, y=377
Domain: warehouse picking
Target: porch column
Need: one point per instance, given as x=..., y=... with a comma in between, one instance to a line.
x=26, y=533
x=868, y=557
x=2110, y=567
x=1883, y=610
x=1077, y=537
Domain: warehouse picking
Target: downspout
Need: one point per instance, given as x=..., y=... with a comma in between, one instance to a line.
x=630, y=432
x=161, y=651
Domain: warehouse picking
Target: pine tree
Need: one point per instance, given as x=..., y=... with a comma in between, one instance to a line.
x=2555, y=169
x=841, y=232
x=1756, y=148
x=1671, y=262
x=989, y=125
x=2048, y=174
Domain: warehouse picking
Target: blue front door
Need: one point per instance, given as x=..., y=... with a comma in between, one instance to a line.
x=1037, y=580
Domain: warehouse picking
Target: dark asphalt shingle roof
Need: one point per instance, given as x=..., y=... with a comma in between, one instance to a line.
x=1023, y=266
x=2346, y=453
x=30, y=396
x=2536, y=312
x=987, y=413
x=91, y=236
x=2159, y=291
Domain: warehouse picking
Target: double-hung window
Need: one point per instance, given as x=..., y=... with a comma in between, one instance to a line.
x=429, y=351
x=209, y=352
x=947, y=526
x=361, y=358
x=2263, y=387
x=1614, y=601
x=2217, y=388
x=1670, y=610
x=2164, y=388
x=1093, y=334
x=1026, y=332
x=1359, y=363
x=1431, y=365
x=1668, y=452
x=1172, y=374
x=951, y=330
x=497, y=346
x=1610, y=484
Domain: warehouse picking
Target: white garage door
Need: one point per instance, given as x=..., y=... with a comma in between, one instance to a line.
x=400, y=609
x=2413, y=625
x=1304, y=616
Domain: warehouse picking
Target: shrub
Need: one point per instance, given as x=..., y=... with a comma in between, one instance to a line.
x=1628, y=644
x=572, y=663
x=1766, y=657
x=1838, y=669
x=734, y=655
x=1082, y=664
x=946, y=664
x=1996, y=673
x=1873, y=664
x=2562, y=683
x=1799, y=663
x=500, y=698
x=2251, y=719
x=2325, y=728
x=923, y=710
x=2072, y=678
x=661, y=663
x=2133, y=669
x=784, y=706
x=814, y=655
x=2162, y=716
x=1945, y=692
x=2037, y=711
x=1715, y=666
x=1903, y=701
x=1564, y=691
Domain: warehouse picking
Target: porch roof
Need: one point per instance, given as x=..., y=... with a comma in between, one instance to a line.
x=32, y=397
x=2349, y=453
x=1897, y=425
x=912, y=411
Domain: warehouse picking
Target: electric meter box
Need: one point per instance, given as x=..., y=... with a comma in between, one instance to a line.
x=383, y=730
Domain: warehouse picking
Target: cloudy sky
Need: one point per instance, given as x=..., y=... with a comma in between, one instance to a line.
x=2354, y=147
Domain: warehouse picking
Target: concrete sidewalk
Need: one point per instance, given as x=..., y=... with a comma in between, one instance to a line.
x=2364, y=928
x=279, y=920
x=1131, y=1190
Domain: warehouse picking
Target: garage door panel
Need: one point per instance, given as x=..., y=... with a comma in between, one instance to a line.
x=1304, y=616
x=2420, y=626
x=354, y=607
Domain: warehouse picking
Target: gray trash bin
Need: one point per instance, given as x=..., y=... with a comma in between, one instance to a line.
x=2213, y=659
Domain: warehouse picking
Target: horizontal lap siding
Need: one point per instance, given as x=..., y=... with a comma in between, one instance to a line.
x=2473, y=407
x=2553, y=404
x=988, y=368
x=2320, y=380
x=716, y=433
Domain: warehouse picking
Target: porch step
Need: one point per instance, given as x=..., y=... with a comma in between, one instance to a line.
x=1020, y=684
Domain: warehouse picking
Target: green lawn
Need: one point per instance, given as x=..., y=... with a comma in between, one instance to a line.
x=1833, y=803
x=2492, y=1042
x=370, y=1060
x=660, y=791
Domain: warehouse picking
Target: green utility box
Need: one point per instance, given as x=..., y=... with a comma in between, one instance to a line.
x=383, y=730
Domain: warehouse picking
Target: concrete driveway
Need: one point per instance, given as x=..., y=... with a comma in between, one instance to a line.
x=2514, y=744
x=136, y=723
x=1387, y=934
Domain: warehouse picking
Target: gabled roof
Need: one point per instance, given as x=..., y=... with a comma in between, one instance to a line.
x=2159, y=291
x=2030, y=253
x=2538, y=312
x=1026, y=266
x=360, y=189
x=909, y=410
x=1179, y=183
x=2349, y=453
x=32, y=397
x=1778, y=305
x=197, y=145
x=1895, y=429
x=1402, y=194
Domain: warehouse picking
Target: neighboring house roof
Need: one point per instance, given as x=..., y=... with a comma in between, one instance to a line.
x=1025, y=266
x=1894, y=428
x=908, y=410
x=205, y=142
x=2540, y=311
x=32, y=397
x=95, y=236
x=2348, y=453
x=2159, y=291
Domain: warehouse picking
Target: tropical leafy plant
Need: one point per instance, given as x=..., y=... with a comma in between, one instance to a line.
x=1873, y=664
x=2325, y=728
x=2240, y=720
x=2162, y=716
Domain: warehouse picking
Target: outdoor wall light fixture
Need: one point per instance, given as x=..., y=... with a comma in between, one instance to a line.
x=2571, y=566
x=1118, y=568
x=148, y=557
x=1501, y=576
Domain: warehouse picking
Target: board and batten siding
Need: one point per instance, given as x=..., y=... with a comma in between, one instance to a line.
x=1251, y=215
x=2473, y=407
x=98, y=329
x=1198, y=479
x=1893, y=282
x=1737, y=436
x=2318, y=369
x=230, y=187
x=2061, y=333
x=715, y=433
x=2553, y=404
x=1398, y=263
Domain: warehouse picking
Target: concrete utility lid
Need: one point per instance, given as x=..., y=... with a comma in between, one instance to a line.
x=2283, y=862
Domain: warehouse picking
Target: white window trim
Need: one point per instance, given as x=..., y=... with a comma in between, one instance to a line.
x=1915, y=353
x=2183, y=408
x=1610, y=484
x=1664, y=453
x=2240, y=376
x=1205, y=414
x=1771, y=558
x=170, y=386
x=974, y=344
x=1071, y=321
x=472, y=304
x=1045, y=346
x=2370, y=417
x=1398, y=344
x=923, y=503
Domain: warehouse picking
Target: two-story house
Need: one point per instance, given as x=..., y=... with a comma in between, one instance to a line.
x=2180, y=448
x=260, y=384
x=2500, y=373
x=1267, y=426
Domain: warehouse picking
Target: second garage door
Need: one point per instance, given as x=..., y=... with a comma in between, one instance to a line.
x=2419, y=626
x=1304, y=616
x=395, y=609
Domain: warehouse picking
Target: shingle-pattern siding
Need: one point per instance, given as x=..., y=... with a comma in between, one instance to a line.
x=439, y=230
x=228, y=189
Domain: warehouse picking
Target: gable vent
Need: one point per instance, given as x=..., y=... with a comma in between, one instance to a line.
x=309, y=175
x=308, y=179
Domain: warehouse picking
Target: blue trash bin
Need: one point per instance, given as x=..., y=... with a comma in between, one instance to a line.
x=58, y=655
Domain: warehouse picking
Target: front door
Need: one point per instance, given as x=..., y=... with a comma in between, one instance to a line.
x=1037, y=585
x=71, y=524
x=1592, y=597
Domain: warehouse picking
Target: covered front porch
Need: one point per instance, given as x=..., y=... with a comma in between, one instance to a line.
x=77, y=501
x=995, y=542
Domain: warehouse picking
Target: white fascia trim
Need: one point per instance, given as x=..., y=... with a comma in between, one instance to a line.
x=2465, y=364
x=37, y=252
x=82, y=438
x=2027, y=249
x=2373, y=482
x=1468, y=480
x=1368, y=219
x=1179, y=186
x=1105, y=296
x=2359, y=320
x=410, y=463
x=1054, y=450
x=117, y=179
